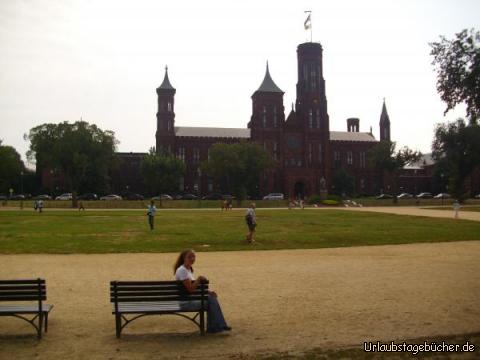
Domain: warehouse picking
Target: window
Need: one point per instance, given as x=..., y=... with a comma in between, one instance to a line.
x=336, y=155
x=195, y=185
x=363, y=161
x=169, y=125
x=264, y=146
x=349, y=158
x=362, y=183
x=310, y=153
x=181, y=153
x=313, y=78
x=275, y=151
x=210, y=185
x=310, y=119
x=196, y=155
x=274, y=116
x=317, y=118
x=264, y=117
x=208, y=154
x=319, y=153
x=169, y=106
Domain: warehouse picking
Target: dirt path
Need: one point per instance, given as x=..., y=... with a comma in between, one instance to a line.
x=415, y=211
x=274, y=300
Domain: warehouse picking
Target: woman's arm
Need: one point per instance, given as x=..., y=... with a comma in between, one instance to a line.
x=191, y=286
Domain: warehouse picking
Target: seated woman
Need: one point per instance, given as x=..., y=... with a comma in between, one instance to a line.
x=184, y=272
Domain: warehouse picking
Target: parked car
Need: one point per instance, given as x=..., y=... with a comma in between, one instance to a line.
x=177, y=197
x=18, y=197
x=65, y=196
x=384, y=196
x=111, y=197
x=43, y=197
x=274, y=196
x=88, y=196
x=162, y=197
x=228, y=197
x=425, y=195
x=134, y=197
x=3, y=197
x=213, y=196
x=189, y=197
x=442, y=196
x=477, y=196
x=405, y=196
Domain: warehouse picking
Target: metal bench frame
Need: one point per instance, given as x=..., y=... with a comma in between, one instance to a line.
x=157, y=294
x=26, y=290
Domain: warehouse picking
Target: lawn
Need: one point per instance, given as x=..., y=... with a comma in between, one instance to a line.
x=210, y=230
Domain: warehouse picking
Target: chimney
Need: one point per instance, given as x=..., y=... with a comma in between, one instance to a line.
x=353, y=124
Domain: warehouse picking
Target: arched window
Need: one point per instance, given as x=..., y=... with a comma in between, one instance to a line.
x=310, y=119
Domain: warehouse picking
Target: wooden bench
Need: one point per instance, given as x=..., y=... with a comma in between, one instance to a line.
x=141, y=298
x=26, y=291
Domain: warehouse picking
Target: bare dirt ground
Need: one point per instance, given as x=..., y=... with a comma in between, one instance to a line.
x=275, y=301
x=418, y=211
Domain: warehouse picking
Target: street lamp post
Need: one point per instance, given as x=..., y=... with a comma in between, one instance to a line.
x=199, y=171
x=21, y=189
x=441, y=185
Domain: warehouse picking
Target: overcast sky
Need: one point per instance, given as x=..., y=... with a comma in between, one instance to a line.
x=102, y=61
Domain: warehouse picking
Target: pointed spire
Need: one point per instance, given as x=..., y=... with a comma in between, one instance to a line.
x=166, y=82
x=384, y=118
x=268, y=85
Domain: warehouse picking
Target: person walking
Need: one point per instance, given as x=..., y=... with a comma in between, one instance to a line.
x=251, y=220
x=456, y=208
x=40, y=205
x=151, y=214
x=183, y=270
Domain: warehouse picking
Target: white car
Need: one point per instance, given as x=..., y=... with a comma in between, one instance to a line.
x=405, y=196
x=442, y=196
x=274, y=196
x=111, y=197
x=66, y=196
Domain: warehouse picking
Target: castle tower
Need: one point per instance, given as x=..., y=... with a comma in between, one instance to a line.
x=165, y=134
x=311, y=104
x=384, y=124
x=268, y=113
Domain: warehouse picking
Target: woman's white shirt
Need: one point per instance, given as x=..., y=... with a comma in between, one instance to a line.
x=183, y=273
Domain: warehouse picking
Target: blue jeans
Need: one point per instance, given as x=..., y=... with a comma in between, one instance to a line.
x=215, y=320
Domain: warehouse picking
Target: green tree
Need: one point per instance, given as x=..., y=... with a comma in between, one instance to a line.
x=386, y=159
x=238, y=166
x=457, y=64
x=456, y=147
x=162, y=172
x=11, y=168
x=82, y=152
x=343, y=183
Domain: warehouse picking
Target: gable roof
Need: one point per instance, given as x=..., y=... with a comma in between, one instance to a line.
x=351, y=136
x=212, y=132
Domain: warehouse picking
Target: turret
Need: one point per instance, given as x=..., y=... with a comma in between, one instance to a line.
x=384, y=124
x=165, y=115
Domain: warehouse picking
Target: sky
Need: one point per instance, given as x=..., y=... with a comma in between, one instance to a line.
x=101, y=61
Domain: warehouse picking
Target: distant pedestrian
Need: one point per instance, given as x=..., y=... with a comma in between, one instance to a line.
x=40, y=206
x=251, y=220
x=151, y=214
x=35, y=205
x=456, y=208
x=80, y=206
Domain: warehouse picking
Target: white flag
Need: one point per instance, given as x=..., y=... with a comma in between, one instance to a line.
x=308, y=23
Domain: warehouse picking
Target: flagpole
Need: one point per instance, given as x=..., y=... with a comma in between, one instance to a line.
x=309, y=19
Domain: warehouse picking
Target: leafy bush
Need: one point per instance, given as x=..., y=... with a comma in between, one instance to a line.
x=334, y=197
x=329, y=202
x=314, y=199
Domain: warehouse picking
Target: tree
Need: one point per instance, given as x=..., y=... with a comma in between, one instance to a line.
x=82, y=152
x=11, y=168
x=343, y=183
x=457, y=64
x=385, y=159
x=456, y=147
x=162, y=172
x=238, y=166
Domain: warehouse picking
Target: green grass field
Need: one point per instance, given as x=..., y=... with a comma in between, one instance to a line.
x=210, y=230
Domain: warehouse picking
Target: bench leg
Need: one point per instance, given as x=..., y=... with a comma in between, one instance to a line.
x=46, y=322
x=202, y=322
x=118, y=325
x=40, y=325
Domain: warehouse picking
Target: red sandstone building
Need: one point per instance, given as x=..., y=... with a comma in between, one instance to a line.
x=306, y=152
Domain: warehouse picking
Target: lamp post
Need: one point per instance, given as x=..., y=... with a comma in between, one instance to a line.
x=21, y=189
x=199, y=171
x=441, y=185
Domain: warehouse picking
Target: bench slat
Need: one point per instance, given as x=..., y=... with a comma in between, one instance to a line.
x=21, y=293
x=21, y=287
x=169, y=282
x=154, y=293
x=23, y=297
x=25, y=281
x=24, y=309
x=157, y=298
